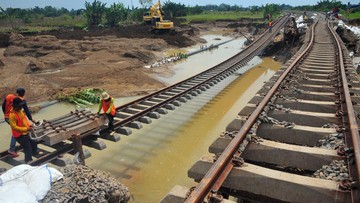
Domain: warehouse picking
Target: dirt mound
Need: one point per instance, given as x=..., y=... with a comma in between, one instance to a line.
x=285, y=45
x=143, y=56
x=350, y=39
x=130, y=31
x=4, y=39
x=355, y=22
x=111, y=59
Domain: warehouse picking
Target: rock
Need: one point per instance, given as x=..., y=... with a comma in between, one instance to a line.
x=2, y=64
x=83, y=184
x=154, y=47
x=145, y=57
x=357, y=69
x=14, y=37
x=32, y=68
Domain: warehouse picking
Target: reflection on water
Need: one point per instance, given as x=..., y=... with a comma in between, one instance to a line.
x=202, y=61
x=154, y=159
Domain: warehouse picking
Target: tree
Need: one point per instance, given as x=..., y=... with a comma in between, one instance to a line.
x=11, y=19
x=195, y=10
x=94, y=12
x=175, y=9
x=145, y=3
x=271, y=9
x=115, y=14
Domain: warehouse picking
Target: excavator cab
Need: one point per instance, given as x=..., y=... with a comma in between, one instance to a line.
x=159, y=25
x=147, y=17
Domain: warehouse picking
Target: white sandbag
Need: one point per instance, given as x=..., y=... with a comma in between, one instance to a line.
x=16, y=192
x=15, y=173
x=39, y=180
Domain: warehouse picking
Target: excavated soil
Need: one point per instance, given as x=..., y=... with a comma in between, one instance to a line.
x=49, y=63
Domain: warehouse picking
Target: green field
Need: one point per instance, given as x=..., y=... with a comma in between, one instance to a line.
x=213, y=16
x=353, y=15
x=43, y=23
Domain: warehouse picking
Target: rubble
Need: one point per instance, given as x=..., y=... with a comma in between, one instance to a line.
x=81, y=183
x=336, y=171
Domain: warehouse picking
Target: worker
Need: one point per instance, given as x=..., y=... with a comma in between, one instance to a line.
x=268, y=16
x=336, y=11
x=270, y=25
x=6, y=108
x=107, y=105
x=20, y=127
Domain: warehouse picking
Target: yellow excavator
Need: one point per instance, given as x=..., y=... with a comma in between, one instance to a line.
x=155, y=18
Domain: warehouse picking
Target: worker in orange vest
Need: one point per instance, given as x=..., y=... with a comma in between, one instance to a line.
x=107, y=105
x=6, y=108
x=20, y=127
x=270, y=25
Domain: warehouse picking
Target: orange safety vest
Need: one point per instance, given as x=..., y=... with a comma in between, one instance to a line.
x=106, y=106
x=21, y=123
x=9, y=104
x=270, y=24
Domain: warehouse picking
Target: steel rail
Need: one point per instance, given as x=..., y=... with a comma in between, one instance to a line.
x=354, y=128
x=237, y=60
x=235, y=57
x=223, y=162
x=136, y=116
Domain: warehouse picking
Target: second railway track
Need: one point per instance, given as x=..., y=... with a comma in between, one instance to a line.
x=297, y=140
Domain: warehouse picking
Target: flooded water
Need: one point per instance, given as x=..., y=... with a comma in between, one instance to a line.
x=154, y=159
x=202, y=61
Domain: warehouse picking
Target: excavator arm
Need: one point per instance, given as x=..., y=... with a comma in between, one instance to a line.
x=155, y=10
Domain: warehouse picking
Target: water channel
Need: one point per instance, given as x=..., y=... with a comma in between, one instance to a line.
x=154, y=159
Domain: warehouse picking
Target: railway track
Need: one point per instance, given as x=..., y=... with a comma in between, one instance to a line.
x=297, y=140
x=143, y=110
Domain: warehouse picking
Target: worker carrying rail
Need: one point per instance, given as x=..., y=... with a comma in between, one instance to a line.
x=7, y=106
x=20, y=128
x=107, y=105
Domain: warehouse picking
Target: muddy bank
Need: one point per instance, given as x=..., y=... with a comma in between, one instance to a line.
x=350, y=39
x=285, y=44
x=111, y=59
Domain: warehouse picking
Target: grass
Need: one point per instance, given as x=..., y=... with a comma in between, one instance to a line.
x=44, y=23
x=213, y=16
x=61, y=21
x=352, y=15
x=26, y=28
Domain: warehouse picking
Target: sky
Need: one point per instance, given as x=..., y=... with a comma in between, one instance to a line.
x=78, y=4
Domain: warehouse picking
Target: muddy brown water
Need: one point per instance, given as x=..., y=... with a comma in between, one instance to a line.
x=200, y=62
x=154, y=159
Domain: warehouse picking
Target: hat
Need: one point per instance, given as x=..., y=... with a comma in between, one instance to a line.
x=17, y=102
x=105, y=95
x=20, y=91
